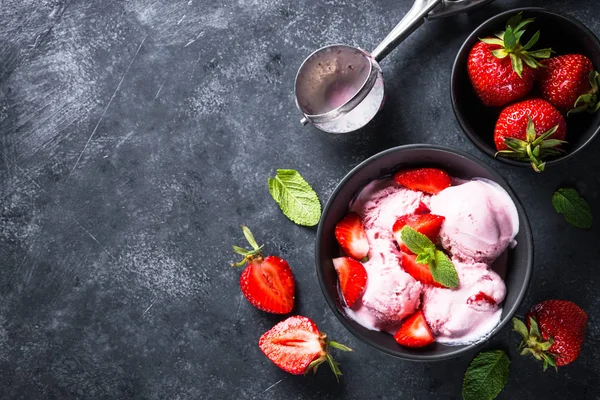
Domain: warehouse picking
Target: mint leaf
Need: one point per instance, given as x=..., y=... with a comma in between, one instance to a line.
x=295, y=197
x=443, y=270
x=440, y=266
x=575, y=209
x=486, y=376
x=415, y=241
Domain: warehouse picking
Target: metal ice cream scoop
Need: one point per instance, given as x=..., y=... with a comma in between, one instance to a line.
x=340, y=88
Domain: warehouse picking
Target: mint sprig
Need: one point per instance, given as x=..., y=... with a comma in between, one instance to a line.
x=296, y=198
x=440, y=266
x=573, y=207
x=486, y=376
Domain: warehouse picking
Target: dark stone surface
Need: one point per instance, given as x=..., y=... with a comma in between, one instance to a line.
x=135, y=138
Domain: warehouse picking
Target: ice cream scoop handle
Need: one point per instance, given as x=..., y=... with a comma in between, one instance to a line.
x=414, y=18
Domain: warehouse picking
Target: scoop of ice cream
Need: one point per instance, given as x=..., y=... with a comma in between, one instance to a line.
x=391, y=294
x=382, y=202
x=468, y=312
x=481, y=220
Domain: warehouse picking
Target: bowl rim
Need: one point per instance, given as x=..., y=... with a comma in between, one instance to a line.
x=463, y=48
x=459, y=350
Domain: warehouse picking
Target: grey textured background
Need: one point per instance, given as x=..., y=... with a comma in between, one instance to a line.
x=135, y=138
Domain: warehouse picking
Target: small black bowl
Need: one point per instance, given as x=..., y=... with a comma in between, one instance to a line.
x=456, y=163
x=564, y=35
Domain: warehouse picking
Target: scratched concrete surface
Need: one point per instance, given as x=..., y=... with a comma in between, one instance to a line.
x=136, y=136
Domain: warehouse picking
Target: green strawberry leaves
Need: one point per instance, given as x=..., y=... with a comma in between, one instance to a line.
x=486, y=376
x=440, y=266
x=573, y=207
x=509, y=42
x=296, y=198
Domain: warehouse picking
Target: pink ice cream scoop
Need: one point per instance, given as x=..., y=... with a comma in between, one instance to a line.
x=469, y=312
x=391, y=294
x=481, y=220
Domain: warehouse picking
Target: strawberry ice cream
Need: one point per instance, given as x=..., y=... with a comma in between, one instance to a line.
x=481, y=222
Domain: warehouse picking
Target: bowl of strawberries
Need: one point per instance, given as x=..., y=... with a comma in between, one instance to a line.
x=424, y=252
x=525, y=87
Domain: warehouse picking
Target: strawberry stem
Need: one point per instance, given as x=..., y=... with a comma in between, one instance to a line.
x=249, y=255
x=533, y=149
x=589, y=101
x=534, y=344
x=509, y=41
x=324, y=355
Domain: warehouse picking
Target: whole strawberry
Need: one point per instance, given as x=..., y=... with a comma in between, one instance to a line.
x=267, y=282
x=297, y=347
x=570, y=83
x=530, y=131
x=503, y=70
x=554, y=333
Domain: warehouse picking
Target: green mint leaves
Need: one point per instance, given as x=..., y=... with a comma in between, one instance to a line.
x=295, y=197
x=486, y=376
x=575, y=209
x=440, y=266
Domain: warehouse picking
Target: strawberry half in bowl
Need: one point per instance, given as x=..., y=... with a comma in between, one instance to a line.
x=508, y=80
x=423, y=252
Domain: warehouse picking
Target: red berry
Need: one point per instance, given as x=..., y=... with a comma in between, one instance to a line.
x=269, y=285
x=415, y=331
x=352, y=277
x=520, y=126
x=418, y=271
x=565, y=323
x=564, y=79
x=296, y=346
x=502, y=70
x=494, y=80
x=428, y=180
x=351, y=236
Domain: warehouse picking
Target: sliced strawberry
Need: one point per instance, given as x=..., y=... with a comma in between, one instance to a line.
x=415, y=331
x=481, y=298
x=351, y=235
x=269, y=285
x=428, y=180
x=422, y=208
x=427, y=224
x=418, y=271
x=296, y=346
x=353, y=278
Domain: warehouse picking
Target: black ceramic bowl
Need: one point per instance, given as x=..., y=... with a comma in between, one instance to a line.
x=456, y=163
x=564, y=35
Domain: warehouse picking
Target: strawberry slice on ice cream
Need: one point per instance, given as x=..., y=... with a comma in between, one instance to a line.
x=351, y=236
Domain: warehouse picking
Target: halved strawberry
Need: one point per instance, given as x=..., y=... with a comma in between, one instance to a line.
x=353, y=278
x=428, y=180
x=418, y=271
x=351, y=235
x=296, y=346
x=415, y=331
x=269, y=285
x=427, y=224
x=422, y=208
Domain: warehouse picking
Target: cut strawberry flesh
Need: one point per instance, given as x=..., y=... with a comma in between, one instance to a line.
x=292, y=344
x=352, y=277
x=418, y=271
x=428, y=180
x=422, y=209
x=269, y=285
x=427, y=224
x=351, y=236
x=481, y=298
x=415, y=331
